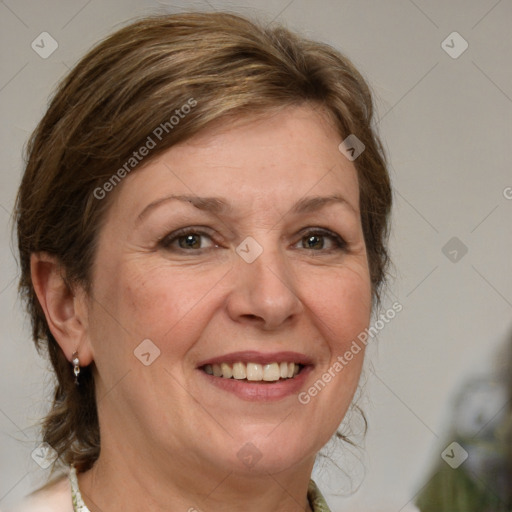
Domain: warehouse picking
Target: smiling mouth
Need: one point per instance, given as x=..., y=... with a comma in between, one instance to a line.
x=254, y=372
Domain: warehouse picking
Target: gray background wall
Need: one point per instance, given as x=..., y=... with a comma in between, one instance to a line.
x=446, y=125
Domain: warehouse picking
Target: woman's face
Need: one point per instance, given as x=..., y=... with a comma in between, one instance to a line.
x=239, y=251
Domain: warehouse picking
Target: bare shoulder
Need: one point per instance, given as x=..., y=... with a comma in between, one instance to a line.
x=53, y=497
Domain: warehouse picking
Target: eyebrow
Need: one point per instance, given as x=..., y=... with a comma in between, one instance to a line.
x=218, y=205
x=209, y=204
x=311, y=204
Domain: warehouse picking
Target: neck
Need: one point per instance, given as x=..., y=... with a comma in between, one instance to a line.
x=122, y=481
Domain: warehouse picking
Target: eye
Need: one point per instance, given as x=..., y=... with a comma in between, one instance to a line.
x=320, y=239
x=188, y=239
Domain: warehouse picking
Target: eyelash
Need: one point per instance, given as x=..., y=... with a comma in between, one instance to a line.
x=339, y=243
x=176, y=235
x=166, y=242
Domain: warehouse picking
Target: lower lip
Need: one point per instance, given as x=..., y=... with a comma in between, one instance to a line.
x=259, y=391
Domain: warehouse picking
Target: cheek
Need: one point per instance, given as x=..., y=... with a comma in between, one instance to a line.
x=341, y=303
x=150, y=301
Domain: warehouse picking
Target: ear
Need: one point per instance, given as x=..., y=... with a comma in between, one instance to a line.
x=65, y=307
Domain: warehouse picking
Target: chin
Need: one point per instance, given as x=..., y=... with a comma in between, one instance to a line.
x=272, y=453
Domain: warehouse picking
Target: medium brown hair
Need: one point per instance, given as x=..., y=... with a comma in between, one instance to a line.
x=105, y=109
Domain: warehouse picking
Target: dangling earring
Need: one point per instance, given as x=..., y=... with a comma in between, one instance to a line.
x=76, y=366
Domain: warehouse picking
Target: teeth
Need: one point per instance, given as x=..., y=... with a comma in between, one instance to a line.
x=270, y=372
x=217, y=372
x=254, y=371
x=239, y=371
x=226, y=370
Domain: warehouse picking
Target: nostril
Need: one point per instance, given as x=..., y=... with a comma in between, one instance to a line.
x=252, y=317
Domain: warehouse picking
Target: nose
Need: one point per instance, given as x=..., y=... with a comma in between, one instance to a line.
x=264, y=293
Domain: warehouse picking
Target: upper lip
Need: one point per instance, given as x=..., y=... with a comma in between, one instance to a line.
x=252, y=356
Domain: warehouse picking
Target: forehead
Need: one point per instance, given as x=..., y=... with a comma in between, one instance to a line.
x=266, y=161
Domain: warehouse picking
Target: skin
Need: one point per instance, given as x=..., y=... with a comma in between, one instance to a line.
x=169, y=438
